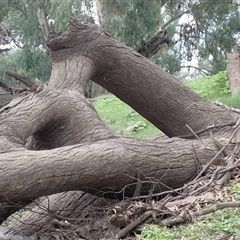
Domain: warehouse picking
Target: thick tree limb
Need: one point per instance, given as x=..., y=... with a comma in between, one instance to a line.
x=58, y=206
x=120, y=159
x=151, y=91
x=6, y=86
x=105, y=159
x=64, y=120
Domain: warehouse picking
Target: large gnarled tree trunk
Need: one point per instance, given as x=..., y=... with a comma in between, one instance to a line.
x=69, y=148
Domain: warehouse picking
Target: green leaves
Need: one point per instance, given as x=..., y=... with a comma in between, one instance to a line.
x=211, y=87
x=206, y=33
x=20, y=17
x=131, y=20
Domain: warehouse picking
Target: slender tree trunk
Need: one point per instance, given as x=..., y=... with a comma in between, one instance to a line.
x=233, y=70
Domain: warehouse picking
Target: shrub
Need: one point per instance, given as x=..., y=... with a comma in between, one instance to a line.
x=211, y=87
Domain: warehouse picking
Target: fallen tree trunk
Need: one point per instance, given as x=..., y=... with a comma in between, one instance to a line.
x=76, y=151
x=95, y=167
x=76, y=205
x=85, y=51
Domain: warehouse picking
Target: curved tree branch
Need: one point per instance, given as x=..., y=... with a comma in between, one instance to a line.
x=76, y=149
x=163, y=26
x=206, y=72
x=21, y=78
x=6, y=86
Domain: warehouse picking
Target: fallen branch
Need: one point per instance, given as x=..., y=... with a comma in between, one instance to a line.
x=187, y=215
x=216, y=207
x=225, y=237
x=236, y=110
x=134, y=224
x=21, y=78
x=6, y=86
x=218, y=154
x=140, y=219
x=227, y=175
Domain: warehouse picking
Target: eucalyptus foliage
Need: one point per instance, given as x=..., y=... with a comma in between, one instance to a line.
x=19, y=17
x=203, y=30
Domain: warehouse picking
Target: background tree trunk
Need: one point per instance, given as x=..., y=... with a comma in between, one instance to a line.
x=233, y=70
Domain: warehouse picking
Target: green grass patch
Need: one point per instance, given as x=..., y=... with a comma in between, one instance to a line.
x=210, y=226
x=123, y=119
x=231, y=100
x=211, y=87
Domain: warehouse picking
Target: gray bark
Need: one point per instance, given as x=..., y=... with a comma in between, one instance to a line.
x=76, y=151
x=95, y=167
x=233, y=70
x=156, y=95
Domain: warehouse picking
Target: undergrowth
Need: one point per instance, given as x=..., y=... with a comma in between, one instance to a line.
x=231, y=100
x=211, y=87
x=123, y=119
x=225, y=222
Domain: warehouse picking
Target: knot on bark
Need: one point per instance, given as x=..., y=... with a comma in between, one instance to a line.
x=150, y=48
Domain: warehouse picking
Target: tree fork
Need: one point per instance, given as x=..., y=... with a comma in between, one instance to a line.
x=155, y=94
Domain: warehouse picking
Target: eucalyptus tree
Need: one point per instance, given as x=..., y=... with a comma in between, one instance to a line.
x=52, y=140
x=25, y=25
x=203, y=30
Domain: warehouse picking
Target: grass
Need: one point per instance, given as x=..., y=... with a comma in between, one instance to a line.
x=230, y=100
x=123, y=119
x=211, y=226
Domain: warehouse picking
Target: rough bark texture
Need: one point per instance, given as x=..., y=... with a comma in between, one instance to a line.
x=76, y=149
x=233, y=70
x=156, y=95
x=74, y=205
x=94, y=168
